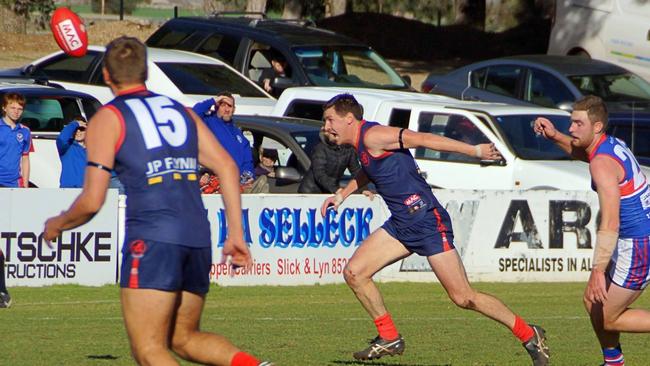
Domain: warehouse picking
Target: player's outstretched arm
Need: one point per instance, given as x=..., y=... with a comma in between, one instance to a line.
x=383, y=138
x=213, y=156
x=102, y=136
x=606, y=174
x=545, y=128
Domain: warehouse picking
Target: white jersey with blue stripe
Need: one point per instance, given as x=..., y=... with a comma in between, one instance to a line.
x=635, y=194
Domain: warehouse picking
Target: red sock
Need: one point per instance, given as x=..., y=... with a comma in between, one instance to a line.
x=522, y=330
x=243, y=359
x=386, y=327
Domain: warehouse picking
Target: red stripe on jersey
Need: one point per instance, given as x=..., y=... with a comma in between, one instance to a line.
x=442, y=229
x=120, y=118
x=359, y=137
x=600, y=142
x=137, y=249
x=137, y=89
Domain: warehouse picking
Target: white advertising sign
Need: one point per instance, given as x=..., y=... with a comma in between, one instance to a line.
x=86, y=255
x=291, y=243
x=512, y=236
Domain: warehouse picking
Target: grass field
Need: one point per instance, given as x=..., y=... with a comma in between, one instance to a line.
x=312, y=325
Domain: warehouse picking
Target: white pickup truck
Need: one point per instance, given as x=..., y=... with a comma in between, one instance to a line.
x=529, y=161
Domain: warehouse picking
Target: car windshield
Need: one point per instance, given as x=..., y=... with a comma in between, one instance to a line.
x=348, y=66
x=207, y=79
x=615, y=88
x=526, y=144
x=307, y=140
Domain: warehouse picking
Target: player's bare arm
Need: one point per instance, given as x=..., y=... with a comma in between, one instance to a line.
x=359, y=180
x=213, y=156
x=383, y=138
x=606, y=174
x=102, y=136
x=545, y=128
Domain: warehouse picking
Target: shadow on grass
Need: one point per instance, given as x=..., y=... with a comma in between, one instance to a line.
x=379, y=363
x=102, y=357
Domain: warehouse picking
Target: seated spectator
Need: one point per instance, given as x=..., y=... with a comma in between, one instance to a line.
x=328, y=164
x=279, y=68
x=71, y=145
x=268, y=158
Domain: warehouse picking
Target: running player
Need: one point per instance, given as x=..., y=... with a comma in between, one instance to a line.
x=155, y=145
x=418, y=224
x=621, y=264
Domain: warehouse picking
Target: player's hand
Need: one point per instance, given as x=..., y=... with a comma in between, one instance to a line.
x=488, y=152
x=596, y=287
x=52, y=229
x=236, y=252
x=331, y=202
x=545, y=128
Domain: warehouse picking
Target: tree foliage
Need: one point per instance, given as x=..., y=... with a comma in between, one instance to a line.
x=37, y=11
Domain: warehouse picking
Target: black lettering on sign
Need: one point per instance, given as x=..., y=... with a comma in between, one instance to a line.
x=530, y=235
x=558, y=226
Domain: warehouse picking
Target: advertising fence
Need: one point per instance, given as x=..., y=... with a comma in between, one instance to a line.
x=504, y=236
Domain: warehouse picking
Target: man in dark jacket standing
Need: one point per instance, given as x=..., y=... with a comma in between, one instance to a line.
x=328, y=163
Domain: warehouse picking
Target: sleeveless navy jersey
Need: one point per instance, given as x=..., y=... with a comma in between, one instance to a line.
x=397, y=179
x=157, y=162
x=634, y=215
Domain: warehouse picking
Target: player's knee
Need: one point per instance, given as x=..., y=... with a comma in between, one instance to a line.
x=179, y=343
x=464, y=299
x=147, y=354
x=352, y=275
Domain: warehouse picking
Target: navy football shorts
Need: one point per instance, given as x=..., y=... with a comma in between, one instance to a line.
x=162, y=266
x=426, y=237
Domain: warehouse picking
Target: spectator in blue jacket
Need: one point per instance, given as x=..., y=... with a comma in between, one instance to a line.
x=217, y=114
x=71, y=145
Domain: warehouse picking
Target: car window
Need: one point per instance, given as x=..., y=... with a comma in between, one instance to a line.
x=207, y=79
x=477, y=79
x=169, y=38
x=50, y=114
x=399, y=118
x=67, y=68
x=503, y=80
x=546, y=90
x=518, y=130
x=221, y=46
x=351, y=66
x=614, y=87
x=453, y=126
x=305, y=109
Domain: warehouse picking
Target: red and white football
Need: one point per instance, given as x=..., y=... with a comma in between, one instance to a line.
x=69, y=32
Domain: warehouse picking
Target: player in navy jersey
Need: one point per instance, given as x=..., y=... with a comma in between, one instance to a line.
x=155, y=146
x=621, y=264
x=418, y=224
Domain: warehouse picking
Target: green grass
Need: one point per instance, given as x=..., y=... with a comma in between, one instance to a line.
x=312, y=325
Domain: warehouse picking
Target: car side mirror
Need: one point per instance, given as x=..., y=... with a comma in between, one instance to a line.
x=565, y=106
x=283, y=83
x=407, y=79
x=287, y=174
x=28, y=69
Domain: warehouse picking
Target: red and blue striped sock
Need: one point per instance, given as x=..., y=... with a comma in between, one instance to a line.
x=613, y=356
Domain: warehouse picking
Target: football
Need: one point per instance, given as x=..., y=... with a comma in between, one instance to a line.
x=69, y=32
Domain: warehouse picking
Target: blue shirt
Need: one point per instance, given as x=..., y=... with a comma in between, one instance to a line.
x=157, y=162
x=73, y=157
x=14, y=143
x=230, y=137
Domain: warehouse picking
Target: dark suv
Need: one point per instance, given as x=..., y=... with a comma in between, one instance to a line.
x=315, y=57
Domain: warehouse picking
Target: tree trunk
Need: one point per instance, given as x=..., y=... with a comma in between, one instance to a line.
x=292, y=9
x=335, y=7
x=470, y=12
x=257, y=6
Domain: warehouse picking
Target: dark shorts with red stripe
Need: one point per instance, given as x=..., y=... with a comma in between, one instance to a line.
x=425, y=237
x=156, y=265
